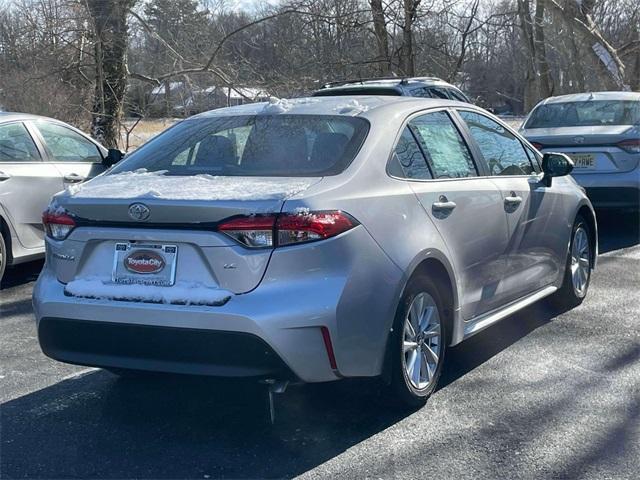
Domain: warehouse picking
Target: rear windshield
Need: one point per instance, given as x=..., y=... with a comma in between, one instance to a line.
x=255, y=145
x=585, y=114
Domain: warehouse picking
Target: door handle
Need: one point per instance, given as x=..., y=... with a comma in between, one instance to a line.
x=4, y=176
x=513, y=199
x=443, y=204
x=74, y=178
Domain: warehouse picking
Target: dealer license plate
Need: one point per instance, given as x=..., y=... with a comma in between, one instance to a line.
x=145, y=264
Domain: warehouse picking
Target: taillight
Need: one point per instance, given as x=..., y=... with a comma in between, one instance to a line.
x=537, y=146
x=58, y=225
x=286, y=228
x=631, y=145
x=252, y=232
x=307, y=227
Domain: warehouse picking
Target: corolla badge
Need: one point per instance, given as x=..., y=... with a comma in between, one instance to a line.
x=578, y=139
x=139, y=211
x=144, y=261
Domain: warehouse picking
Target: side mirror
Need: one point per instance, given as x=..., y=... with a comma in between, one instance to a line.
x=113, y=156
x=555, y=165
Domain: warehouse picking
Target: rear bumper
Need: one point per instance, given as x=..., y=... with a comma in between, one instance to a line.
x=346, y=285
x=144, y=347
x=612, y=190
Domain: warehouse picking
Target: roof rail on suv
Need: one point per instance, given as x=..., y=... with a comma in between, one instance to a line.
x=402, y=80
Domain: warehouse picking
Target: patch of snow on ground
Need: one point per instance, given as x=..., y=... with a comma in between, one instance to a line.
x=181, y=292
x=277, y=105
x=143, y=184
x=353, y=107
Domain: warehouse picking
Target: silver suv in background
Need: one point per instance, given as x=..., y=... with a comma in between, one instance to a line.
x=600, y=131
x=312, y=239
x=424, y=87
x=38, y=157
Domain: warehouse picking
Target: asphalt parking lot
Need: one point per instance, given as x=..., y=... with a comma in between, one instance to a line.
x=543, y=394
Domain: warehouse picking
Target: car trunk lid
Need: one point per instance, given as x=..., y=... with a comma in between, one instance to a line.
x=176, y=211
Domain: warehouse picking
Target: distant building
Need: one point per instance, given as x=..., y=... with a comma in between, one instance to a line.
x=180, y=98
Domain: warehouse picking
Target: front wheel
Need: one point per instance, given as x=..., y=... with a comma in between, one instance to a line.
x=577, y=273
x=418, y=343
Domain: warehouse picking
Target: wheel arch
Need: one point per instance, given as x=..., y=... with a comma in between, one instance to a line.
x=435, y=265
x=586, y=212
x=6, y=235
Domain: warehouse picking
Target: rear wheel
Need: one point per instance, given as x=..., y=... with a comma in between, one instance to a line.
x=577, y=273
x=418, y=344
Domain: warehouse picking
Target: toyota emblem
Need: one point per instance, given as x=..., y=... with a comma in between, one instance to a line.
x=578, y=139
x=139, y=211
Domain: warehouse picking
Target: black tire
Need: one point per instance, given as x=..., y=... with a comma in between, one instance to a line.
x=402, y=390
x=3, y=257
x=567, y=297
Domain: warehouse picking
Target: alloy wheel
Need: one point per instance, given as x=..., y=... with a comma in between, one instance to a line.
x=421, y=341
x=580, y=261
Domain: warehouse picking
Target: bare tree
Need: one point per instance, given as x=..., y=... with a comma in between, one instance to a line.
x=111, y=41
x=380, y=31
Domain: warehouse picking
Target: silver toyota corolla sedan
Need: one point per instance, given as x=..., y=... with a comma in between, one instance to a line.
x=311, y=239
x=601, y=133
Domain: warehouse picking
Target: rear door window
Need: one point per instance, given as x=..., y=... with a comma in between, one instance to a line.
x=16, y=145
x=407, y=160
x=443, y=145
x=255, y=145
x=503, y=151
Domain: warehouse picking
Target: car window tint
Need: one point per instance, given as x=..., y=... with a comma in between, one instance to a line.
x=421, y=92
x=535, y=159
x=458, y=96
x=502, y=150
x=66, y=145
x=407, y=160
x=16, y=144
x=438, y=93
x=253, y=145
x=443, y=145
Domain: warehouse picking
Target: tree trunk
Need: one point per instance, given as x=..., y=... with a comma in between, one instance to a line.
x=111, y=30
x=407, y=63
x=380, y=30
x=545, y=80
x=531, y=90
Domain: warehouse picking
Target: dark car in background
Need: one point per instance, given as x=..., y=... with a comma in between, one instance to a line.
x=426, y=87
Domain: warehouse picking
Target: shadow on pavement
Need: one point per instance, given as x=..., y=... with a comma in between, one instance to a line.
x=101, y=427
x=617, y=230
x=21, y=274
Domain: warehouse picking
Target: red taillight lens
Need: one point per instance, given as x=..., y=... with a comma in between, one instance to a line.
x=631, y=145
x=286, y=228
x=307, y=227
x=58, y=225
x=537, y=145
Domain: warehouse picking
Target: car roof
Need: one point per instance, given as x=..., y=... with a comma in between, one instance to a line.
x=589, y=96
x=14, y=116
x=364, y=106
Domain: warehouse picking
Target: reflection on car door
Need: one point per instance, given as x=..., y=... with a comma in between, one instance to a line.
x=466, y=210
x=76, y=157
x=535, y=250
x=26, y=184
